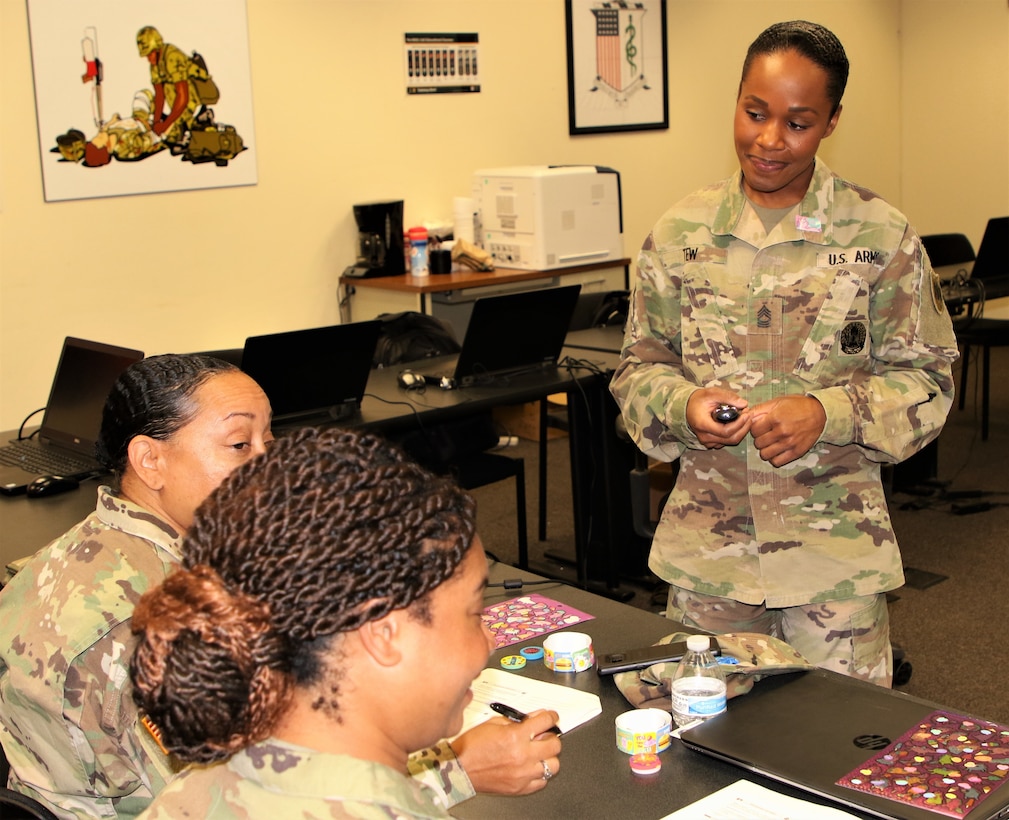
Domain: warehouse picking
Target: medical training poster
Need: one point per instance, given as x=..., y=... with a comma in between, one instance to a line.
x=141, y=97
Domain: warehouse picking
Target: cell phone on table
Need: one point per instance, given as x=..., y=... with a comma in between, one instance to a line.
x=631, y=659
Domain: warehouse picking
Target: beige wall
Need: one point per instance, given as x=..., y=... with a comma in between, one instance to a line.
x=955, y=114
x=334, y=126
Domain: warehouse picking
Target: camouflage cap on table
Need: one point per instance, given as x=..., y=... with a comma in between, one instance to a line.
x=751, y=656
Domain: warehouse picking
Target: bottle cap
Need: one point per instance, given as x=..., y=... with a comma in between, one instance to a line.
x=645, y=763
x=698, y=643
x=417, y=233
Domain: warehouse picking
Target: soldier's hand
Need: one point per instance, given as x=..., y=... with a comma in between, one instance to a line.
x=504, y=757
x=714, y=434
x=784, y=429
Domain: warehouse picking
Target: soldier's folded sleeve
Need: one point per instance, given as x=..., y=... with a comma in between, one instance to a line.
x=440, y=770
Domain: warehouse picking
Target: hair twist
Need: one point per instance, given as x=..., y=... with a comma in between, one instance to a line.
x=209, y=651
x=325, y=532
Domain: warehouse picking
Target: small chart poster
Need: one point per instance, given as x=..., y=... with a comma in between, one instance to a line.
x=529, y=616
x=441, y=63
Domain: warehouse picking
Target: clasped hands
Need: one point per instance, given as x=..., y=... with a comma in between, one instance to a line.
x=783, y=429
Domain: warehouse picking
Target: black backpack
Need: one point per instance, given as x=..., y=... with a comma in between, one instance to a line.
x=409, y=336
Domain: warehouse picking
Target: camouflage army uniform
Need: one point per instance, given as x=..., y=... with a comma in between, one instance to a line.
x=70, y=727
x=68, y=723
x=278, y=779
x=173, y=66
x=839, y=303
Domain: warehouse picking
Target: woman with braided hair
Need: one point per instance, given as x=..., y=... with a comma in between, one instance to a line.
x=173, y=427
x=326, y=623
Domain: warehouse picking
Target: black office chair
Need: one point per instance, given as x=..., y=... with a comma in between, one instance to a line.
x=973, y=329
x=460, y=447
x=17, y=806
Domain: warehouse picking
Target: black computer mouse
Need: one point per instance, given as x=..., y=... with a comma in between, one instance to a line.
x=46, y=485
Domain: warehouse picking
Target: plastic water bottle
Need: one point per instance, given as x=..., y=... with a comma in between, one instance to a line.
x=418, y=251
x=698, y=683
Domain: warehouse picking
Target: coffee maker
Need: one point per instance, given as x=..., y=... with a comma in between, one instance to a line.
x=379, y=240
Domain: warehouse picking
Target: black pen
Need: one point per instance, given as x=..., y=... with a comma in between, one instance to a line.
x=517, y=716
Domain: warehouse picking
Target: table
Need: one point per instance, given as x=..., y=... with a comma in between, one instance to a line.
x=606, y=339
x=390, y=294
x=388, y=408
x=964, y=296
x=595, y=778
x=27, y=524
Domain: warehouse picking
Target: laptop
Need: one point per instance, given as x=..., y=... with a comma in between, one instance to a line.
x=812, y=729
x=65, y=444
x=507, y=335
x=318, y=374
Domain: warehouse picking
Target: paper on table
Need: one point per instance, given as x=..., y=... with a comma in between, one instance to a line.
x=527, y=695
x=744, y=800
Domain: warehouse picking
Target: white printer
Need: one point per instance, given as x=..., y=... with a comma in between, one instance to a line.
x=540, y=217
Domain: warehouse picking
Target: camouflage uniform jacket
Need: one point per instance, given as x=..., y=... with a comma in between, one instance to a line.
x=839, y=303
x=69, y=725
x=274, y=779
x=173, y=66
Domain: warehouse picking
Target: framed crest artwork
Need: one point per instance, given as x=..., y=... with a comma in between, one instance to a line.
x=617, y=63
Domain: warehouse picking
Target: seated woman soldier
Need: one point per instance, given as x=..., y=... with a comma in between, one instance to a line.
x=326, y=623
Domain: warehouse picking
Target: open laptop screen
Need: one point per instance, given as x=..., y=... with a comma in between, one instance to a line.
x=515, y=331
x=319, y=372
x=85, y=374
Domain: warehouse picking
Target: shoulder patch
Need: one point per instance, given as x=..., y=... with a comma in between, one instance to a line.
x=937, y=299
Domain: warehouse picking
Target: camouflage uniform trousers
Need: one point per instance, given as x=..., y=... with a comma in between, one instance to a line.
x=850, y=636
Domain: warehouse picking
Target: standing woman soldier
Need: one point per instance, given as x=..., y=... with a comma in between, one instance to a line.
x=808, y=303
x=326, y=623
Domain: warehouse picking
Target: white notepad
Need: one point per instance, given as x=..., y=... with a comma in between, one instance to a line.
x=527, y=695
x=744, y=800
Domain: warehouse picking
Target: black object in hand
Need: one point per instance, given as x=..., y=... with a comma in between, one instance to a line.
x=725, y=413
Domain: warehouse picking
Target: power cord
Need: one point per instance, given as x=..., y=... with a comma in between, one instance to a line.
x=21, y=429
x=520, y=583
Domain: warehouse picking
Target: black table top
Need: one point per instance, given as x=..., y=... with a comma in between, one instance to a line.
x=595, y=778
x=27, y=524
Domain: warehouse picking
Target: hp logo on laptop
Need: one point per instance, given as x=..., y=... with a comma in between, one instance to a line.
x=873, y=742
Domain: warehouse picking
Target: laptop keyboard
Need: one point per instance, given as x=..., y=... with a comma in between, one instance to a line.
x=34, y=458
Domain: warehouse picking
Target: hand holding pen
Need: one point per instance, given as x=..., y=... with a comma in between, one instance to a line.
x=511, y=757
x=518, y=717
